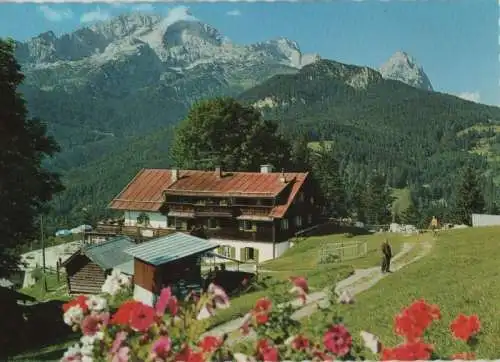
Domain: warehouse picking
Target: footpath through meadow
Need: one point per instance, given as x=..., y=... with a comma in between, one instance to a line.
x=359, y=281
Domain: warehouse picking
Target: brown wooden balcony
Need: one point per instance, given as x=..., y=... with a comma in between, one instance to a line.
x=213, y=211
x=261, y=233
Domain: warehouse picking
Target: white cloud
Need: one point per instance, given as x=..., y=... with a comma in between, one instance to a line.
x=470, y=96
x=55, y=15
x=96, y=15
x=179, y=13
x=234, y=13
x=144, y=7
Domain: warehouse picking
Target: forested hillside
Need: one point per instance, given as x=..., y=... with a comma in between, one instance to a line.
x=415, y=137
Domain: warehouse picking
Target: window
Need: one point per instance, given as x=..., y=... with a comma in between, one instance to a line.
x=213, y=223
x=309, y=219
x=176, y=223
x=298, y=220
x=225, y=250
x=246, y=225
x=251, y=254
x=311, y=200
x=301, y=196
x=284, y=224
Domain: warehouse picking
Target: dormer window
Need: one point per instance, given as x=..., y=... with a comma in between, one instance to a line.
x=301, y=196
x=311, y=200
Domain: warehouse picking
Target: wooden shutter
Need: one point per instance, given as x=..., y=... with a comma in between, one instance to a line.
x=232, y=252
x=243, y=254
x=219, y=250
x=256, y=254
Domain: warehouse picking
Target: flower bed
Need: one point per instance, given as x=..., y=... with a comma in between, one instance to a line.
x=171, y=330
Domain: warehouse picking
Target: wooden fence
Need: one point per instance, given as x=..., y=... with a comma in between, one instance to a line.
x=341, y=251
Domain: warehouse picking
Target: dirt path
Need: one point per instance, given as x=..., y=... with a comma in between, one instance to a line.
x=361, y=280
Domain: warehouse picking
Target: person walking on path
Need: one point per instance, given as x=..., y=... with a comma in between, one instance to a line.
x=386, y=258
x=434, y=225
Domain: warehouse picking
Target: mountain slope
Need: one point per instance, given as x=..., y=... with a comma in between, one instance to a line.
x=135, y=73
x=412, y=135
x=403, y=67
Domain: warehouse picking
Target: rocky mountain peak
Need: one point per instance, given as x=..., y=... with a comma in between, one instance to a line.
x=403, y=67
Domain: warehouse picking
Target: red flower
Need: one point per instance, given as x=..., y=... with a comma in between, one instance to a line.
x=408, y=352
x=464, y=327
x=80, y=301
x=267, y=353
x=412, y=321
x=263, y=305
x=261, y=318
x=187, y=355
x=464, y=356
x=92, y=323
x=300, y=343
x=338, y=340
x=142, y=317
x=124, y=312
x=210, y=344
x=300, y=282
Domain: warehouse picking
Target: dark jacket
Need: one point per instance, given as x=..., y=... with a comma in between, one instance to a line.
x=386, y=250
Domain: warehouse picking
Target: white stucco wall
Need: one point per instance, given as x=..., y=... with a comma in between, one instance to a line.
x=156, y=219
x=143, y=295
x=265, y=248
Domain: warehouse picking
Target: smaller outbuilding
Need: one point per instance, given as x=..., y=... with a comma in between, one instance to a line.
x=88, y=267
x=173, y=260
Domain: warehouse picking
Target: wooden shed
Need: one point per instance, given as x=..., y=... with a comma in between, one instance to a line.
x=173, y=260
x=88, y=267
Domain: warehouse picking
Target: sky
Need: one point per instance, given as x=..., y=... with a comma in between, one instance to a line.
x=456, y=41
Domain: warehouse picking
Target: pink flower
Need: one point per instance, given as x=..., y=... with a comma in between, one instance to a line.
x=162, y=302
x=219, y=296
x=122, y=355
x=93, y=323
x=338, y=340
x=300, y=287
x=161, y=348
x=119, y=339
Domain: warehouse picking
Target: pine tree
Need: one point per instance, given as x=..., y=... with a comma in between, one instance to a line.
x=326, y=172
x=377, y=201
x=25, y=187
x=411, y=216
x=468, y=197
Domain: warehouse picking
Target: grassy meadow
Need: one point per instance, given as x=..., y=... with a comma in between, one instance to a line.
x=302, y=260
x=460, y=274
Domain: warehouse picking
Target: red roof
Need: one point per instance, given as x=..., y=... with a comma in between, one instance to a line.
x=146, y=190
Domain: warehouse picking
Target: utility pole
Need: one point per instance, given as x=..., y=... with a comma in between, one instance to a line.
x=42, y=238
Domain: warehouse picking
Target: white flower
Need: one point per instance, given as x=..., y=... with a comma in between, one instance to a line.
x=86, y=358
x=240, y=357
x=346, y=298
x=370, y=341
x=204, y=314
x=115, y=282
x=97, y=303
x=73, y=353
x=73, y=315
x=87, y=348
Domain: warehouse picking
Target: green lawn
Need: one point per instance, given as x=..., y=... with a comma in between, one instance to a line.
x=304, y=256
x=460, y=274
x=302, y=260
x=402, y=202
x=56, y=289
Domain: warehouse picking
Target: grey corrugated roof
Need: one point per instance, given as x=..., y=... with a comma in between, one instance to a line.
x=169, y=248
x=109, y=253
x=127, y=267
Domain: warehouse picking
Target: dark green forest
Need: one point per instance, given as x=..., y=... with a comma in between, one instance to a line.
x=379, y=130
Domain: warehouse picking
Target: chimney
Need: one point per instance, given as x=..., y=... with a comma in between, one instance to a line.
x=175, y=174
x=282, y=177
x=218, y=172
x=266, y=168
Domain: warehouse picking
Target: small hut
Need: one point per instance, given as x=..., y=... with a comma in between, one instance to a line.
x=88, y=267
x=173, y=260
